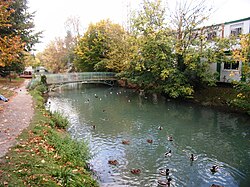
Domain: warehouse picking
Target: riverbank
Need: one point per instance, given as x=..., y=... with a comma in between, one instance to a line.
x=45, y=154
x=218, y=97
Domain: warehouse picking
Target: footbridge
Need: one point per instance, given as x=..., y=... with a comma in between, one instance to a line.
x=108, y=78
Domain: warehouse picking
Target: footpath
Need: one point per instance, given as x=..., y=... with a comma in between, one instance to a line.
x=15, y=117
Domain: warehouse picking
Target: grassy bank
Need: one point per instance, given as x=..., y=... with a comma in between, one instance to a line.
x=45, y=154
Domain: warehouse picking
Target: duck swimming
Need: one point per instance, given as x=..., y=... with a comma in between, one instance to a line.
x=160, y=127
x=168, y=153
x=135, y=171
x=126, y=142
x=170, y=138
x=165, y=172
x=192, y=157
x=215, y=185
x=214, y=168
x=149, y=140
x=164, y=182
x=113, y=162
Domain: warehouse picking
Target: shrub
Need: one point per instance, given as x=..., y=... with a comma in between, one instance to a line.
x=242, y=99
x=59, y=121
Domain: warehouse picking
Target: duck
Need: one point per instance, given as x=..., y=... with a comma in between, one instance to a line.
x=149, y=140
x=113, y=162
x=192, y=157
x=94, y=126
x=126, y=142
x=164, y=182
x=168, y=153
x=135, y=171
x=170, y=138
x=215, y=185
x=160, y=127
x=165, y=172
x=214, y=168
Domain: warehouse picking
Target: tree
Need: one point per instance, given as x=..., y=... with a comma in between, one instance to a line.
x=100, y=50
x=54, y=56
x=31, y=60
x=186, y=22
x=11, y=46
x=192, y=48
x=16, y=33
x=152, y=57
x=72, y=26
x=23, y=24
x=170, y=55
x=242, y=54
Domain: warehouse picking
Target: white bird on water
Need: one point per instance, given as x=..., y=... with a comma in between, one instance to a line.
x=168, y=154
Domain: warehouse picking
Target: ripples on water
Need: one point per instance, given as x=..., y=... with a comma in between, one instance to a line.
x=214, y=138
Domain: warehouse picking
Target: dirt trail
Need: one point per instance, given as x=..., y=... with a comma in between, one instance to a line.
x=15, y=117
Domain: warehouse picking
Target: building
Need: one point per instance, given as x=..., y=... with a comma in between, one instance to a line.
x=228, y=72
x=27, y=73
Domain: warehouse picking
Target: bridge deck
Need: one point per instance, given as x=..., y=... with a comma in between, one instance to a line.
x=85, y=77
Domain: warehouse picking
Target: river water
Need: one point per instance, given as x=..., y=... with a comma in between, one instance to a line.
x=105, y=117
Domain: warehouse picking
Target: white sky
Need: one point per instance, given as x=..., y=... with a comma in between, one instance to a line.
x=51, y=15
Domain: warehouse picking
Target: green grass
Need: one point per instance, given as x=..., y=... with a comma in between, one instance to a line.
x=46, y=155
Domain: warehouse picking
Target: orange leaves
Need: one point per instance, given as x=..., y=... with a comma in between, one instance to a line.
x=10, y=46
x=10, y=49
x=5, y=13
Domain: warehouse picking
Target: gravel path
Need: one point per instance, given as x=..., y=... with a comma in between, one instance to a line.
x=15, y=117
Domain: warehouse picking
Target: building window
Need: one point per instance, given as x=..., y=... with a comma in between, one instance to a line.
x=236, y=29
x=211, y=35
x=231, y=66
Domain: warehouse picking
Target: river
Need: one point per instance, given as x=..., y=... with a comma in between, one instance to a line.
x=105, y=117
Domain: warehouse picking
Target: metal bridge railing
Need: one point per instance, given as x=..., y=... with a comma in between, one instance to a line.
x=79, y=77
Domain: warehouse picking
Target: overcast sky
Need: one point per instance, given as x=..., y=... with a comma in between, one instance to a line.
x=51, y=15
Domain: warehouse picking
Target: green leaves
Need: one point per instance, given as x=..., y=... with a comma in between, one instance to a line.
x=104, y=47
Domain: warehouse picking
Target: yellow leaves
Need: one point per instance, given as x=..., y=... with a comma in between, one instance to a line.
x=5, y=13
x=164, y=74
x=240, y=95
x=10, y=48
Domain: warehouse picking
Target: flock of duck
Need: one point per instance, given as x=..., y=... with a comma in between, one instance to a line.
x=163, y=172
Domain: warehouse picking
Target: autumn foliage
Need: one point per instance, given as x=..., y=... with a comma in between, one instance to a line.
x=11, y=46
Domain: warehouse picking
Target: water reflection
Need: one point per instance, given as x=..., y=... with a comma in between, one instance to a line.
x=215, y=138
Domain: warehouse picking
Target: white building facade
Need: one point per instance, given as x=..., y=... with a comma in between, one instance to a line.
x=229, y=72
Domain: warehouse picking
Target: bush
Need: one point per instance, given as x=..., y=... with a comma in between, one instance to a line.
x=242, y=99
x=59, y=121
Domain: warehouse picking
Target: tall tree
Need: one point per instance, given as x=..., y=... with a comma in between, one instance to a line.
x=98, y=49
x=152, y=55
x=190, y=41
x=11, y=45
x=186, y=21
x=54, y=57
x=22, y=22
x=16, y=33
x=72, y=26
